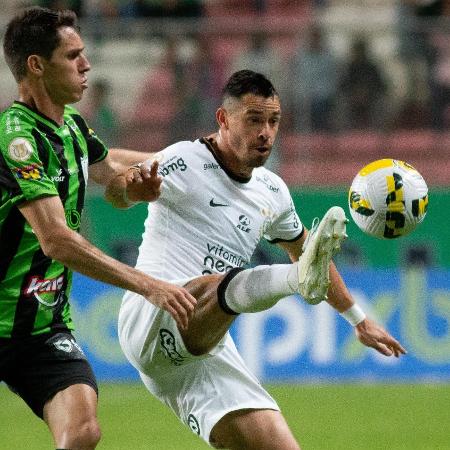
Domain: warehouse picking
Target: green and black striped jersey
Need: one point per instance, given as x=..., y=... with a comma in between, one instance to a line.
x=39, y=158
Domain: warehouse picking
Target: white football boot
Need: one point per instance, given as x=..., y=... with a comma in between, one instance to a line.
x=323, y=241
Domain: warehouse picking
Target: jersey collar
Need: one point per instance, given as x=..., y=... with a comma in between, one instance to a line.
x=36, y=114
x=209, y=145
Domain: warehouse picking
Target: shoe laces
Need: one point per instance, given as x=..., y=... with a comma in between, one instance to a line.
x=312, y=231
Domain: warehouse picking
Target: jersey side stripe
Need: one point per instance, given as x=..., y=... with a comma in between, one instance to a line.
x=40, y=145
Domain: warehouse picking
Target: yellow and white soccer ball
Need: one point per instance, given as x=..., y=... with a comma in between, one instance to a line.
x=388, y=198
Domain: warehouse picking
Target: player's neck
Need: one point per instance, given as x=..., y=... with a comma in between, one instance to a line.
x=226, y=157
x=41, y=102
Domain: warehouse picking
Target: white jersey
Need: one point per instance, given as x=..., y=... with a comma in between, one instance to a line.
x=209, y=221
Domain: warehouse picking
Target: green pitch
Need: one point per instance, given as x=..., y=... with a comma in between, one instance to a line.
x=329, y=417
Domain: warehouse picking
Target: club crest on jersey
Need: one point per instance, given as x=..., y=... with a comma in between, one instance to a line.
x=20, y=149
x=31, y=172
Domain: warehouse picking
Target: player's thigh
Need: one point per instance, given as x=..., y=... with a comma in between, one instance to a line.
x=253, y=429
x=73, y=408
x=209, y=323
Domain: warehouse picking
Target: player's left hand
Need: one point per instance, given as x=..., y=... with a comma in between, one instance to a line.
x=373, y=335
x=143, y=184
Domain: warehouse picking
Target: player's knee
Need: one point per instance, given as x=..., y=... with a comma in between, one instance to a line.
x=85, y=435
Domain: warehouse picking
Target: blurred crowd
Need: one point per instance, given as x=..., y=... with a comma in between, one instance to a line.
x=322, y=90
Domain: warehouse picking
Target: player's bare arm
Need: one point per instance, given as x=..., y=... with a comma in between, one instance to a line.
x=75, y=252
x=367, y=331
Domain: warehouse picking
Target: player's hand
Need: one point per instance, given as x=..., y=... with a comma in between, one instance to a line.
x=174, y=299
x=373, y=335
x=143, y=184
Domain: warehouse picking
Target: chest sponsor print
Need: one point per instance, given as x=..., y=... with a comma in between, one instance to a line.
x=47, y=291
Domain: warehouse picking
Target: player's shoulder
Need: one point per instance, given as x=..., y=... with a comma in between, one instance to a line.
x=270, y=181
x=70, y=111
x=72, y=114
x=16, y=126
x=186, y=150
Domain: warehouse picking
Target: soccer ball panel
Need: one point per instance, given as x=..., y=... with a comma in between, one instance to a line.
x=388, y=199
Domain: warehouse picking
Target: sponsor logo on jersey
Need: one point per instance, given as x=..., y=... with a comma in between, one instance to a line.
x=38, y=287
x=13, y=122
x=59, y=177
x=214, y=204
x=244, y=223
x=20, y=149
x=169, y=346
x=30, y=172
x=193, y=424
x=211, y=165
x=171, y=166
x=220, y=260
x=268, y=183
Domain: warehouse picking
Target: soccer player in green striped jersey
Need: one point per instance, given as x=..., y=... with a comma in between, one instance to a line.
x=47, y=152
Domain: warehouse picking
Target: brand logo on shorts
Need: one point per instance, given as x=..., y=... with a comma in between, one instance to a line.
x=67, y=345
x=193, y=424
x=169, y=346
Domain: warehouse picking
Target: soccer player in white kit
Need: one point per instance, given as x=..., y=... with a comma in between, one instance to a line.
x=217, y=202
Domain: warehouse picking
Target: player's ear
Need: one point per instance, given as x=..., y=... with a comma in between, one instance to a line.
x=35, y=65
x=221, y=117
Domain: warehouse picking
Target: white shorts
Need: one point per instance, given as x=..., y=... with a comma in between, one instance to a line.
x=200, y=390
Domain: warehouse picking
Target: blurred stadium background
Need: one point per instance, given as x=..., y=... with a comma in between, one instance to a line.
x=360, y=80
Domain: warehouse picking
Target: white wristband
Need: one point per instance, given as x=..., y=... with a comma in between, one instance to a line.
x=354, y=315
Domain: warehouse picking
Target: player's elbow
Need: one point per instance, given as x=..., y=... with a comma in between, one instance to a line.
x=57, y=244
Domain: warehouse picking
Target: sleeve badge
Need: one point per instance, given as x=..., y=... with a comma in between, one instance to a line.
x=20, y=149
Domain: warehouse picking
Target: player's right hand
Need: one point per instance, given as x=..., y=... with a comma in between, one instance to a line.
x=143, y=184
x=373, y=335
x=174, y=299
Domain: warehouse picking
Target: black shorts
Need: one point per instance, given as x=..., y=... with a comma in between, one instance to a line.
x=37, y=367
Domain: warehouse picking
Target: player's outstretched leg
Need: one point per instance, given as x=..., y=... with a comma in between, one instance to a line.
x=323, y=241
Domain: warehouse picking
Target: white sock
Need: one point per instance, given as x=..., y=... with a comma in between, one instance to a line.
x=258, y=289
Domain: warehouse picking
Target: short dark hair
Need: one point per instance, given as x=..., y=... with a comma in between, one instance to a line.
x=34, y=31
x=248, y=82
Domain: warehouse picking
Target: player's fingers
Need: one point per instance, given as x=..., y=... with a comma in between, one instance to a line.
x=174, y=313
x=395, y=345
x=181, y=309
x=154, y=169
x=383, y=349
